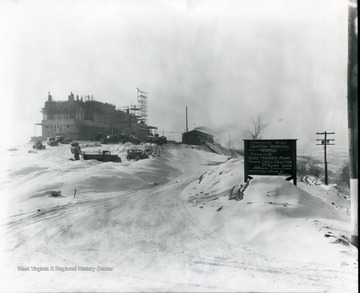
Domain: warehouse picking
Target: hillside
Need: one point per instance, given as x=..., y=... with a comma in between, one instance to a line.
x=167, y=224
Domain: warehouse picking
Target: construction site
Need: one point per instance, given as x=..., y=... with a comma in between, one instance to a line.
x=83, y=118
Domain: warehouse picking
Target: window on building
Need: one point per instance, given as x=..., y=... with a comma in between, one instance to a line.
x=57, y=128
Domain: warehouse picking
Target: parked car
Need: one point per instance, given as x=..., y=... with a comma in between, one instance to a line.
x=136, y=154
x=124, y=138
x=59, y=138
x=98, y=137
x=162, y=139
x=51, y=141
x=133, y=139
x=75, y=148
x=151, y=139
x=110, y=139
x=39, y=146
x=66, y=141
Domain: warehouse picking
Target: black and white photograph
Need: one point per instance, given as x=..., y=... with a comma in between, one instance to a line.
x=179, y=146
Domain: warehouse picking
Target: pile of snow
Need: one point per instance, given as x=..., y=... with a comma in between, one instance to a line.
x=216, y=182
x=277, y=218
x=272, y=215
x=331, y=194
x=217, y=148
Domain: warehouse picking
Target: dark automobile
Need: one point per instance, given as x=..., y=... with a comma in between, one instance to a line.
x=162, y=139
x=51, y=141
x=66, y=141
x=110, y=139
x=133, y=139
x=59, y=138
x=136, y=154
x=98, y=137
x=75, y=148
x=124, y=138
x=156, y=139
x=151, y=139
x=39, y=146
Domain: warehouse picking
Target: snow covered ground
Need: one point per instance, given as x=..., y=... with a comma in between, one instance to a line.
x=166, y=224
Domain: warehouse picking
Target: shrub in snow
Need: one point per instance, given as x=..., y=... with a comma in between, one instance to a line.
x=310, y=180
x=237, y=192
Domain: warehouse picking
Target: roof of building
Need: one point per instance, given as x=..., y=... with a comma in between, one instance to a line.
x=199, y=132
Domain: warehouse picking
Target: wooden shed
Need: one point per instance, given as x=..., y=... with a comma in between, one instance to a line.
x=196, y=137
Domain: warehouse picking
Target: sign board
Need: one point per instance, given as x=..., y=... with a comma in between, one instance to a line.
x=270, y=157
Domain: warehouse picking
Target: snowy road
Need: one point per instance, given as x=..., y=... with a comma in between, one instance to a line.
x=153, y=241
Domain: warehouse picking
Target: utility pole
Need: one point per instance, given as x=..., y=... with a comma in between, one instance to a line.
x=325, y=142
x=187, y=129
x=352, y=105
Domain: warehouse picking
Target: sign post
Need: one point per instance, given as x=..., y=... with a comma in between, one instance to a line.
x=270, y=157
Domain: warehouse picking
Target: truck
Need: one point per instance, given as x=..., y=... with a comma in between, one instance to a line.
x=51, y=141
x=39, y=146
x=156, y=139
x=104, y=156
x=136, y=154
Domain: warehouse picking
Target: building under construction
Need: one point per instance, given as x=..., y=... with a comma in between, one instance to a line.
x=84, y=118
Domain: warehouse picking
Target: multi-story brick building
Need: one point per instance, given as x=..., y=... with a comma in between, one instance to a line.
x=82, y=120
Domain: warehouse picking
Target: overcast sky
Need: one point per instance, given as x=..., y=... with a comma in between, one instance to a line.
x=226, y=60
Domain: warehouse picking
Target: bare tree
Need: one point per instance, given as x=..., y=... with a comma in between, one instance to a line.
x=256, y=127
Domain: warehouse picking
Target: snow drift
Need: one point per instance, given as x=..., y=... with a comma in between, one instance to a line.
x=167, y=224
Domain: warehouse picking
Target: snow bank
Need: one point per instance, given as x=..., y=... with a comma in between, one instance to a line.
x=275, y=217
x=216, y=182
x=30, y=177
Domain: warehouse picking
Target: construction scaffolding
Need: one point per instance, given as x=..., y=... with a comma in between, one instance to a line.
x=142, y=99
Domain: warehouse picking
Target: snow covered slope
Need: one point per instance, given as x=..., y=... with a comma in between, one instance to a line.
x=166, y=224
